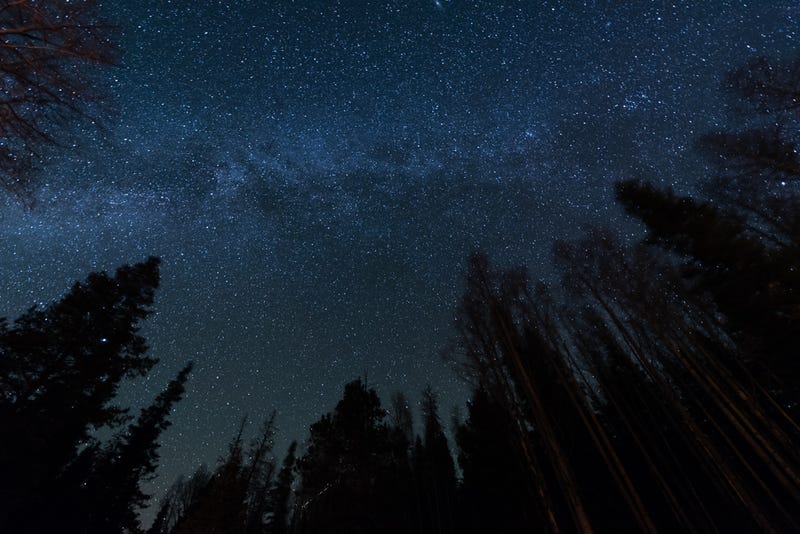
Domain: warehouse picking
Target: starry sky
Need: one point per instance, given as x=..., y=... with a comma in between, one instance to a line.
x=314, y=173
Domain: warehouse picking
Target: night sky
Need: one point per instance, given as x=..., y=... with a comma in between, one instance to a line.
x=313, y=175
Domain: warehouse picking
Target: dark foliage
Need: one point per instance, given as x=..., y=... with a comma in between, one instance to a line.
x=280, y=497
x=434, y=472
x=352, y=474
x=181, y=497
x=60, y=368
x=112, y=495
x=221, y=506
x=494, y=493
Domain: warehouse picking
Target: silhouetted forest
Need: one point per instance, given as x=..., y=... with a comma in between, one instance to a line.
x=655, y=388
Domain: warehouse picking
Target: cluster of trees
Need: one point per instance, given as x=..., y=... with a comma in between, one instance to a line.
x=656, y=388
x=246, y=493
x=60, y=370
x=363, y=469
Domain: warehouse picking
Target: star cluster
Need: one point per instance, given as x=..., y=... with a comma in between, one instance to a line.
x=314, y=174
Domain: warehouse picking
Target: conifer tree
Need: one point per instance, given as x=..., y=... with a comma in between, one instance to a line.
x=749, y=278
x=434, y=469
x=114, y=492
x=741, y=244
x=281, y=493
x=181, y=497
x=221, y=507
x=259, y=474
x=60, y=369
x=348, y=475
x=402, y=420
x=495, y=493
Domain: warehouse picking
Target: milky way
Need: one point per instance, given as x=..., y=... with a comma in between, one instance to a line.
x=314, y=174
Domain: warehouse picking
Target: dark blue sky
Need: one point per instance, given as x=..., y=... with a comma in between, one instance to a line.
x=314, y=174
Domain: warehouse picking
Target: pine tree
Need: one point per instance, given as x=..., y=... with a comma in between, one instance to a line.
x=114, y=490
x=752, y=282
x=402, y=420
x=60, y=368
x=495, y=493
x=434, y=469
x=259, y=474
x=343, y=444
x=179, y=499
x=741, y=244
x=347, y=475
x=221, y=507
x=281, y=493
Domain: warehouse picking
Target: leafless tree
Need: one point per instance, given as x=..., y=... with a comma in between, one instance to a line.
x=47, y=51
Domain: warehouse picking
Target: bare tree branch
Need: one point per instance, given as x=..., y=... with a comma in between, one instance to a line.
x=47, y=50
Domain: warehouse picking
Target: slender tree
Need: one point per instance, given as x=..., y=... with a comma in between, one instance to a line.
x=494, y=493
x=434, y=469
x=221, y=507
x=402, y=419
x=259, y=475
x=179, y=499
x=114, y=491
x=281, y=494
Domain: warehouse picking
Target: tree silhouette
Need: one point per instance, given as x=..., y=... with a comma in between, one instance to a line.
x=665, y=369
x=114, y=490
x=495, y=493
x=180, y=498
x=402, y=419
x=60, y=368
x=281, y=493
x=221, y=507
x=342, y=444
x=732, y=352
x=259, y=476
x=510, y=350
x=738, y=258
x=434, y=470
x=352, y=474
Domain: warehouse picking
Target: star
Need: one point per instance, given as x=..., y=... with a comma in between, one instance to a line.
x=314, y=179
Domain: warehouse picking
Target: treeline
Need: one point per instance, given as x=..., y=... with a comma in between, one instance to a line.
x=654, y=389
